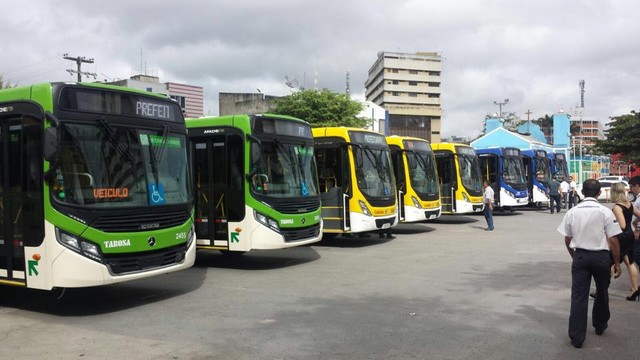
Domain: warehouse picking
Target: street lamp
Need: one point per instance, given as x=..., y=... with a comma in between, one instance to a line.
x=505, y=102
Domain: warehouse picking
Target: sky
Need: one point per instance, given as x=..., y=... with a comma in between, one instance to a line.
x=533, y=53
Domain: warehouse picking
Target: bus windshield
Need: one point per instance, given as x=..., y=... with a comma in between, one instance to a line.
x=543, y=170
x=103, y=166
x=561, y=168
x=422, y=173
x=513, y=170
x=373, y=171
x=470, y=173
x=283, y=170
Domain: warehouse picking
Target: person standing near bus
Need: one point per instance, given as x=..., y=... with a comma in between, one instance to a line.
x=487, y=199
x=634, y=187
x=572, y=192
x=590, y=231
x=624, y=210
x=565, y=187
x=554, y=195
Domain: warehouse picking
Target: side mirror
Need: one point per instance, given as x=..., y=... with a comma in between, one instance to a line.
x=50, y=144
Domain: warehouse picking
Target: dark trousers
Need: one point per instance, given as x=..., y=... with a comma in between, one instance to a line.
x=488, y=215
x=557, y=200
x=572, y=200
x=587, y=264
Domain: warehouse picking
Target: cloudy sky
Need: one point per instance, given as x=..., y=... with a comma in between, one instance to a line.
x=534, y=53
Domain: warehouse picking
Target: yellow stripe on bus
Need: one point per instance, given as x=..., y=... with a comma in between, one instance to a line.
x=212, y=247
x=9, y=282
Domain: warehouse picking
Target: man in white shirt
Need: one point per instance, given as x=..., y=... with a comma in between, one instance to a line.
x=590, y=231
x=572, y=192
x=564, y=187
x=487, y=199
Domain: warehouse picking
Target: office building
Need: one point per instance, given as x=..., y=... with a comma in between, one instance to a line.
x=407, y=86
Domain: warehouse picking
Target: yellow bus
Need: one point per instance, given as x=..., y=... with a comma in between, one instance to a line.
x=414, y=168
x=357, y=186
x=460, y=178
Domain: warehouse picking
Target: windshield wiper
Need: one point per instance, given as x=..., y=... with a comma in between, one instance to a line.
x=111, y=136
x=376, y=163
x=155, y=153
x=285, y=152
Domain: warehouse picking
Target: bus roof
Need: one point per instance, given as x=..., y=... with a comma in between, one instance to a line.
x=238, y=120
x=339, y=131
x=25, y=92
x=399, y=140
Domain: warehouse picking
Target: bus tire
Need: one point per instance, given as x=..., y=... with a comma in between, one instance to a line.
x=232, y=253
x=329, y=236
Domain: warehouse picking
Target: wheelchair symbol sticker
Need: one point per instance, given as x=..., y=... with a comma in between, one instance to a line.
x=156, y=194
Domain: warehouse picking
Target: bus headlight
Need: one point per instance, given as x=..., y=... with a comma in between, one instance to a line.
x=365, y=209
x=416, y=203
x=266, y=221
x=79, y=245
x=466, y=197
x=91, y=251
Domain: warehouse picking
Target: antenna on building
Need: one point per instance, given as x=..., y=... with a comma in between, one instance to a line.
x=347, y=85
x=581, y=83
x=292, y=84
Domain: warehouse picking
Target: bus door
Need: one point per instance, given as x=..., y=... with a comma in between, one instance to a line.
x=334, y=181
x=529, y=172
x=398, y=156
x=21, y=207
x=491, y=172
x=447, y=176
x=219, y=183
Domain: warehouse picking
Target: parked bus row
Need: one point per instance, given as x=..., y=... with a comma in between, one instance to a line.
x=101, y=184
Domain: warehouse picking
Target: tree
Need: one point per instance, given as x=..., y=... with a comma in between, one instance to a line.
x=623, y=137
x=322, y=108
x=5, y=84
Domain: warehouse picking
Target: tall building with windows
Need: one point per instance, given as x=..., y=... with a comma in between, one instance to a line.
x=408, y=87
x=190, y=97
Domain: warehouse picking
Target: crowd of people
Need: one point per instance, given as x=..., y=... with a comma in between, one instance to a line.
x=599, y=240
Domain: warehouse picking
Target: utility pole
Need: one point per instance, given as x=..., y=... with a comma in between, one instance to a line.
x=500, y=103
x=79, y=60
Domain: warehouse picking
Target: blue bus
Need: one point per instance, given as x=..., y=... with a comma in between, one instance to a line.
x=537, y=167
x=559, y=165
x=504, y=169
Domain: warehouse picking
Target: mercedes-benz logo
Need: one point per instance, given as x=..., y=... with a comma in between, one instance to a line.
x=304, y=220
x=151, y=241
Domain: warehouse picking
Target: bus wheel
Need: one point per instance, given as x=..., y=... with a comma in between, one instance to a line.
x=232, y=253
x=329, y=236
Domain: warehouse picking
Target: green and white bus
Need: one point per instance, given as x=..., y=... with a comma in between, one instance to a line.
x=95, y=186
x=255, y=182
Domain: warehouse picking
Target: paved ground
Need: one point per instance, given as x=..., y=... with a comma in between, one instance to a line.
x=440, y=290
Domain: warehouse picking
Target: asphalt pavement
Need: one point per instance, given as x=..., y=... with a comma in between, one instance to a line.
x=445, y=289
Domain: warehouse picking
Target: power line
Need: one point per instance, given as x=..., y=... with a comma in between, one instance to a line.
x=79, y=60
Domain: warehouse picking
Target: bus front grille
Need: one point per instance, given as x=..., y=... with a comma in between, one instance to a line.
x=140, y=222
x=129, y=263
x=297, y=206
x=382, y=222
x=301, y=234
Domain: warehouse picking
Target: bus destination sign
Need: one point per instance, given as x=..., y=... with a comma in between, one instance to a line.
x=366, y=138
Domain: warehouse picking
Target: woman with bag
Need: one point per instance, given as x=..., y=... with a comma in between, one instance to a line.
x=624, y=210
